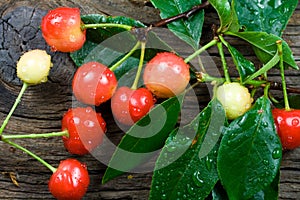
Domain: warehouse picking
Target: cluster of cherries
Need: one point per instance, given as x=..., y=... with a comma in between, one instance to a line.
x=164, y=76
x=93, y=84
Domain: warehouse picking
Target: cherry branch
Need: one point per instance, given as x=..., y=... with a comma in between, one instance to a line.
x=184, y=15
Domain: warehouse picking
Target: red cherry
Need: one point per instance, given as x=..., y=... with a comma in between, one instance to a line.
x=61, y=28
x=86, y=130
x=94, y=83
x=288, y=127
x=70, y=181
x=128, y=106
x=166, y=75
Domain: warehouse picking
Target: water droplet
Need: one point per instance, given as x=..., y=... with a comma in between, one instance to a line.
x=295, y=122
x=276, y=153
x=171, y=148
x=208, y=163
x=163, y=196
x=265, y=124
x=198, y=179
x=190, y=189
x=266, y=162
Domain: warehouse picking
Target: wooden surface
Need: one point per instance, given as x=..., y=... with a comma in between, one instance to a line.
x=42, y=106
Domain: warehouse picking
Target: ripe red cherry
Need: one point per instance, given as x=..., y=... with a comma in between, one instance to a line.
x=166, y=75
x=288, y=127
x=86, y=130
x=128, y=105
x=61, y=28
x=70, y=181
x=94, y=83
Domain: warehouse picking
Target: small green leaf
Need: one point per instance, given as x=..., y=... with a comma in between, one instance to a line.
x=269, y=16
x=227, y=15
x=250, y=152
x=244, y=66
x=266, y=44
x=144, y=138
x=181, y=171
x=188, y=30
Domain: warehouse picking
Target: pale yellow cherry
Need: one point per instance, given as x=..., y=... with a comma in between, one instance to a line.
x=33, y=66
x=235, y=99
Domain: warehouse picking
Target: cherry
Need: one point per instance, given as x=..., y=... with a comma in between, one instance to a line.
x=287, y=124
x=235, y=99
x=70, y=181
x=166, y=75
x=94, y=83
x=86, y=130
x=33, y=66
x=61, y=28
x=128, y=105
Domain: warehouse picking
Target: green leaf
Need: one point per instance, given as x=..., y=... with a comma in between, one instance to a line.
x=250, y=152
x=143, y=139
x=100, y=34
x=244, y=66
x=270, y=192
x=227, y=15
x=181, y=171
x=266, y=44
x=188, y=30
x=269, y=16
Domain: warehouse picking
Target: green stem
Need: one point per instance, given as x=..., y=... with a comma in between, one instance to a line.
x=34, y=135
x=53, y=169
x=139, y=71
x=266, y=90
x=203, y=77
x=285, y=95
x=223, y=60
x=264, y=69
x=201, y=50
x=117, y=64
x=17, y=101
x=107, y=25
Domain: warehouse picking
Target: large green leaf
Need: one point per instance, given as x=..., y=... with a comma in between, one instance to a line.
x=269, y=16
x=266, y=44
x=250, y=152
x=189, y=30
x=245, y=67
x=99, y=34
x=143, y=139
x=180, y=172
x=227, y=15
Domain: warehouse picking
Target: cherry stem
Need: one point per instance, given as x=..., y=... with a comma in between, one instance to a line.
x=117, y=64
x=184, y=15
x=139, y=70
x=201, y=50
x=106, y=25
x=17, y=101
x=264, y=69
x=34, y=135
x=223, y=60
x=266, y=90
x=53, y=169
x=285, y=95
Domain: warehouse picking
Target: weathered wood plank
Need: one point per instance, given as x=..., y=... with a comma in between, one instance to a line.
x=42, y=106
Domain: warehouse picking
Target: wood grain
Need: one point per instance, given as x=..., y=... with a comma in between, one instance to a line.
x=43, y=105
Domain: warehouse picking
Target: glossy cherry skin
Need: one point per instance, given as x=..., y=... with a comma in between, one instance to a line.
x=166, y=75
x=86, y=129
x=128, y=105
x=61, y=28
x=94, y=83
x=70, y=181
x=288, y=127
